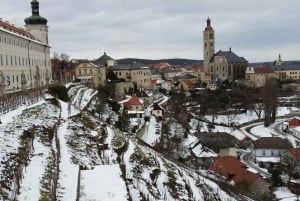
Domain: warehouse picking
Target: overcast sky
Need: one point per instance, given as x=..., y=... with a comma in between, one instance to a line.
x=258, y=30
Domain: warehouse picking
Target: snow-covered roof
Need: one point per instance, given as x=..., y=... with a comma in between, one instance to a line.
x=268, y=159
x=239, y=135
x=202, y=152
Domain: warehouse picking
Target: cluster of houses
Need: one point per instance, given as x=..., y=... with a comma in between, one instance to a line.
x=218, y=153
x=165, y=76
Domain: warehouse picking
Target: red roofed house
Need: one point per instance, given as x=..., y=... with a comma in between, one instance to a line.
x=294, y=122
x=294, y=127
x=134, y=107
x=269, y=149
x=188, y=84
x=257, y=76
x=234, y=171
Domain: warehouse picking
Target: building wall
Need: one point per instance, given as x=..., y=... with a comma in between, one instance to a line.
x=227, y=151
x=24, y=62
x=259, y=80
x=142, y=76
x=157, y=113
x=266, y=152
x=136, y=108
x=97, y=75
x=288, y=74
x=39, y=31
x=156, y=77
x=221, y=70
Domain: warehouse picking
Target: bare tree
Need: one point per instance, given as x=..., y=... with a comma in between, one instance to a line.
x=258, y=109
x=59, y=63
x=270, y=95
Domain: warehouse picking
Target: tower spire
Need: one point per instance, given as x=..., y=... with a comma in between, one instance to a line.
x=208, y=22
x=35, y=18
x=35, y=8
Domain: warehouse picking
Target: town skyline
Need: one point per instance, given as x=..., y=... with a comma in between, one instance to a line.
x=161, y=30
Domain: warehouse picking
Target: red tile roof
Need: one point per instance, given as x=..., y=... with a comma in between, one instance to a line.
x=294, y=122
x=16, y=30
x=263, y=70
x=233, y=169
x=189, y=83
x=134, y=101
x=271, y=143
x=153, y=81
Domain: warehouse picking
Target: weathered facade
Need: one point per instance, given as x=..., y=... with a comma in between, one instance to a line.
x=258, y=76
x=89, y=73
x=137, y=73
x=25, y=54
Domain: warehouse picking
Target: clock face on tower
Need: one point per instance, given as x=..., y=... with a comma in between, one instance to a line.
x=35, y=10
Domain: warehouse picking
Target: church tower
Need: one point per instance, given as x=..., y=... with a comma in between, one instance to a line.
x=37, y=25
x=208, y=45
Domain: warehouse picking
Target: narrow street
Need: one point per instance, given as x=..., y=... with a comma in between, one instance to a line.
x=246, y=158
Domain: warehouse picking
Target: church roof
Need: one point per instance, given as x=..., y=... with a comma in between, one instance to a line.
x=35, y=18
x=286, y=67
x=105, y=57
x=230, y=56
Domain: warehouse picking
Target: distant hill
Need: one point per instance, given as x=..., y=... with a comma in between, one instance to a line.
x=268, y=63
x=177, y=61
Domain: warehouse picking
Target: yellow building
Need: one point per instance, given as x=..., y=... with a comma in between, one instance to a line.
x=287, y=71
x=137, y=73
x=90, y=73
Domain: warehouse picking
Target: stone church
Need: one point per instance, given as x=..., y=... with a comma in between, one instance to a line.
x=222, y=65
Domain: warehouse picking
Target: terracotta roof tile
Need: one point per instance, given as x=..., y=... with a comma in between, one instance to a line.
x=233, y=169
x=189, y=83
x=134, y=101
x=294, y=122
x=263, y=70
x=16, y=30
x=271, y=143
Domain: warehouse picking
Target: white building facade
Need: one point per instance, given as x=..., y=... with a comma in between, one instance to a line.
x=24, y=54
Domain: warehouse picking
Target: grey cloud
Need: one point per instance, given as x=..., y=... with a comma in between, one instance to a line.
x=256, y=30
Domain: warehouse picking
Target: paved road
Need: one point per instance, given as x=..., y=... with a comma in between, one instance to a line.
x=246, y=158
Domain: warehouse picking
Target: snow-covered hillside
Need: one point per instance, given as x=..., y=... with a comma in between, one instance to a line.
x=57, y=149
